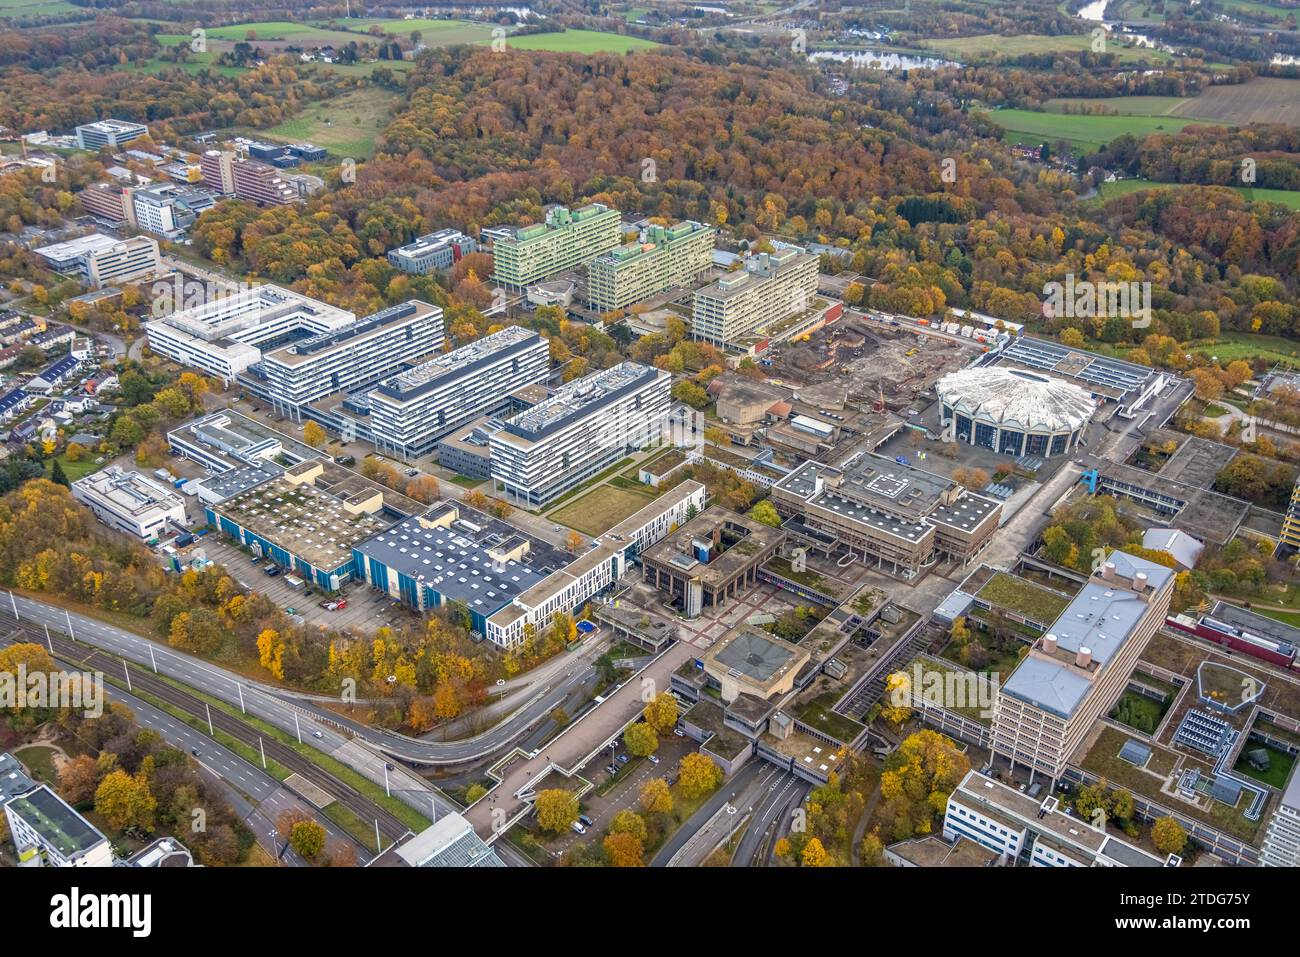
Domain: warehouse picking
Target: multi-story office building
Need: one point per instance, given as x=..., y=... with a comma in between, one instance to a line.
x=412, y=410
x=897, y=516
x=771, y=288
x=433, y=252
x=102, y=260
x=586, y=426
x=232, y=175
x=346, y=358
x=111, y=133
x=1033, y=832
x=1075, y=673
x=1282, y=839
x=167, y=209
x=129, y=502
x=226, y=336
x=596, y=569
x=110, y=202
x=665, y=258
x=565, y=240
x=42, y=823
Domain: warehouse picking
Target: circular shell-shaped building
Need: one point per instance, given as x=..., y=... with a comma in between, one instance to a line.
x=1014, y=411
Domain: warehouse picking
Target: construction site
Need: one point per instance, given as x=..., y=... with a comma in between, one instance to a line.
x=870, y=358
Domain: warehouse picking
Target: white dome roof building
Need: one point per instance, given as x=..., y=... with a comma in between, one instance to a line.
x=1015, y=411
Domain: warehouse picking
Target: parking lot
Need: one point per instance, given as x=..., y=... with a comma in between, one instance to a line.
x=367, y=609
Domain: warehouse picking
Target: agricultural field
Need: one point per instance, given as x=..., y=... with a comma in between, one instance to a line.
x=993, y=45
x=36, y=8
x=580, y=41
x=1085, y=133
x=1287, y=197
x=345, y=125
x=1262, y=100
x=434, y=33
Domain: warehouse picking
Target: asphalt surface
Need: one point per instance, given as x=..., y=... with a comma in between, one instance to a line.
x=257, y=798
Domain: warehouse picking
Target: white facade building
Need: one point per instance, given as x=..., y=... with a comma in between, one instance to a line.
x=111, y=133
x=350, y=357
x=222, y=337
x=129, y=502
x=412, y=410
x=103, y=260
x=586, y=426
x=1282, y=840
x=41, y=822
x=1035, y=832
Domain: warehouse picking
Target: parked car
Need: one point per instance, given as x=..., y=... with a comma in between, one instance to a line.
x=622, y=759
x=272, y=571
x=578, y=828
x=585, y=821
x=611, y=768
x=654, y=759
x=345, y=460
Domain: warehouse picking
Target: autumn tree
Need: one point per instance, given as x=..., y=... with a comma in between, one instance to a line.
x=624, y=850
x=424, y=489
x=661, y=712
x=78, y=779
x=557, y=809
x=628, y=821
x=814, y=854
x=1168, y=836
x=574, y=541
x=125, y=801
x=698, y=775
x=656, y=797
x=640, y=739
x=307, y=837
x=766, y=513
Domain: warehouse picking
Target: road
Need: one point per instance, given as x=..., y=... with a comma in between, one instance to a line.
x=208, y=679
x=258, y=798
x=569, y=751
x=770, y=820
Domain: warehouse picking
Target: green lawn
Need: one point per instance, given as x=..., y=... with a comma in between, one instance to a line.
x=434, y=33
x=580, y=41
x=346, y=125
x=1279, y=765
x=1246, y=345
x=1138, y=711
x=76, y=470
x=39, y=762
x=1023, y=597
x=1122, y=105
x=1213, y=411
x=1087, y=133
x=1287, y=197
x=601, y=509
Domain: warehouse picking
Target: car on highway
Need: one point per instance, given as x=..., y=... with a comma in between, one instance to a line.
x=194, y=751
x=412, y=473
x=317, y=734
